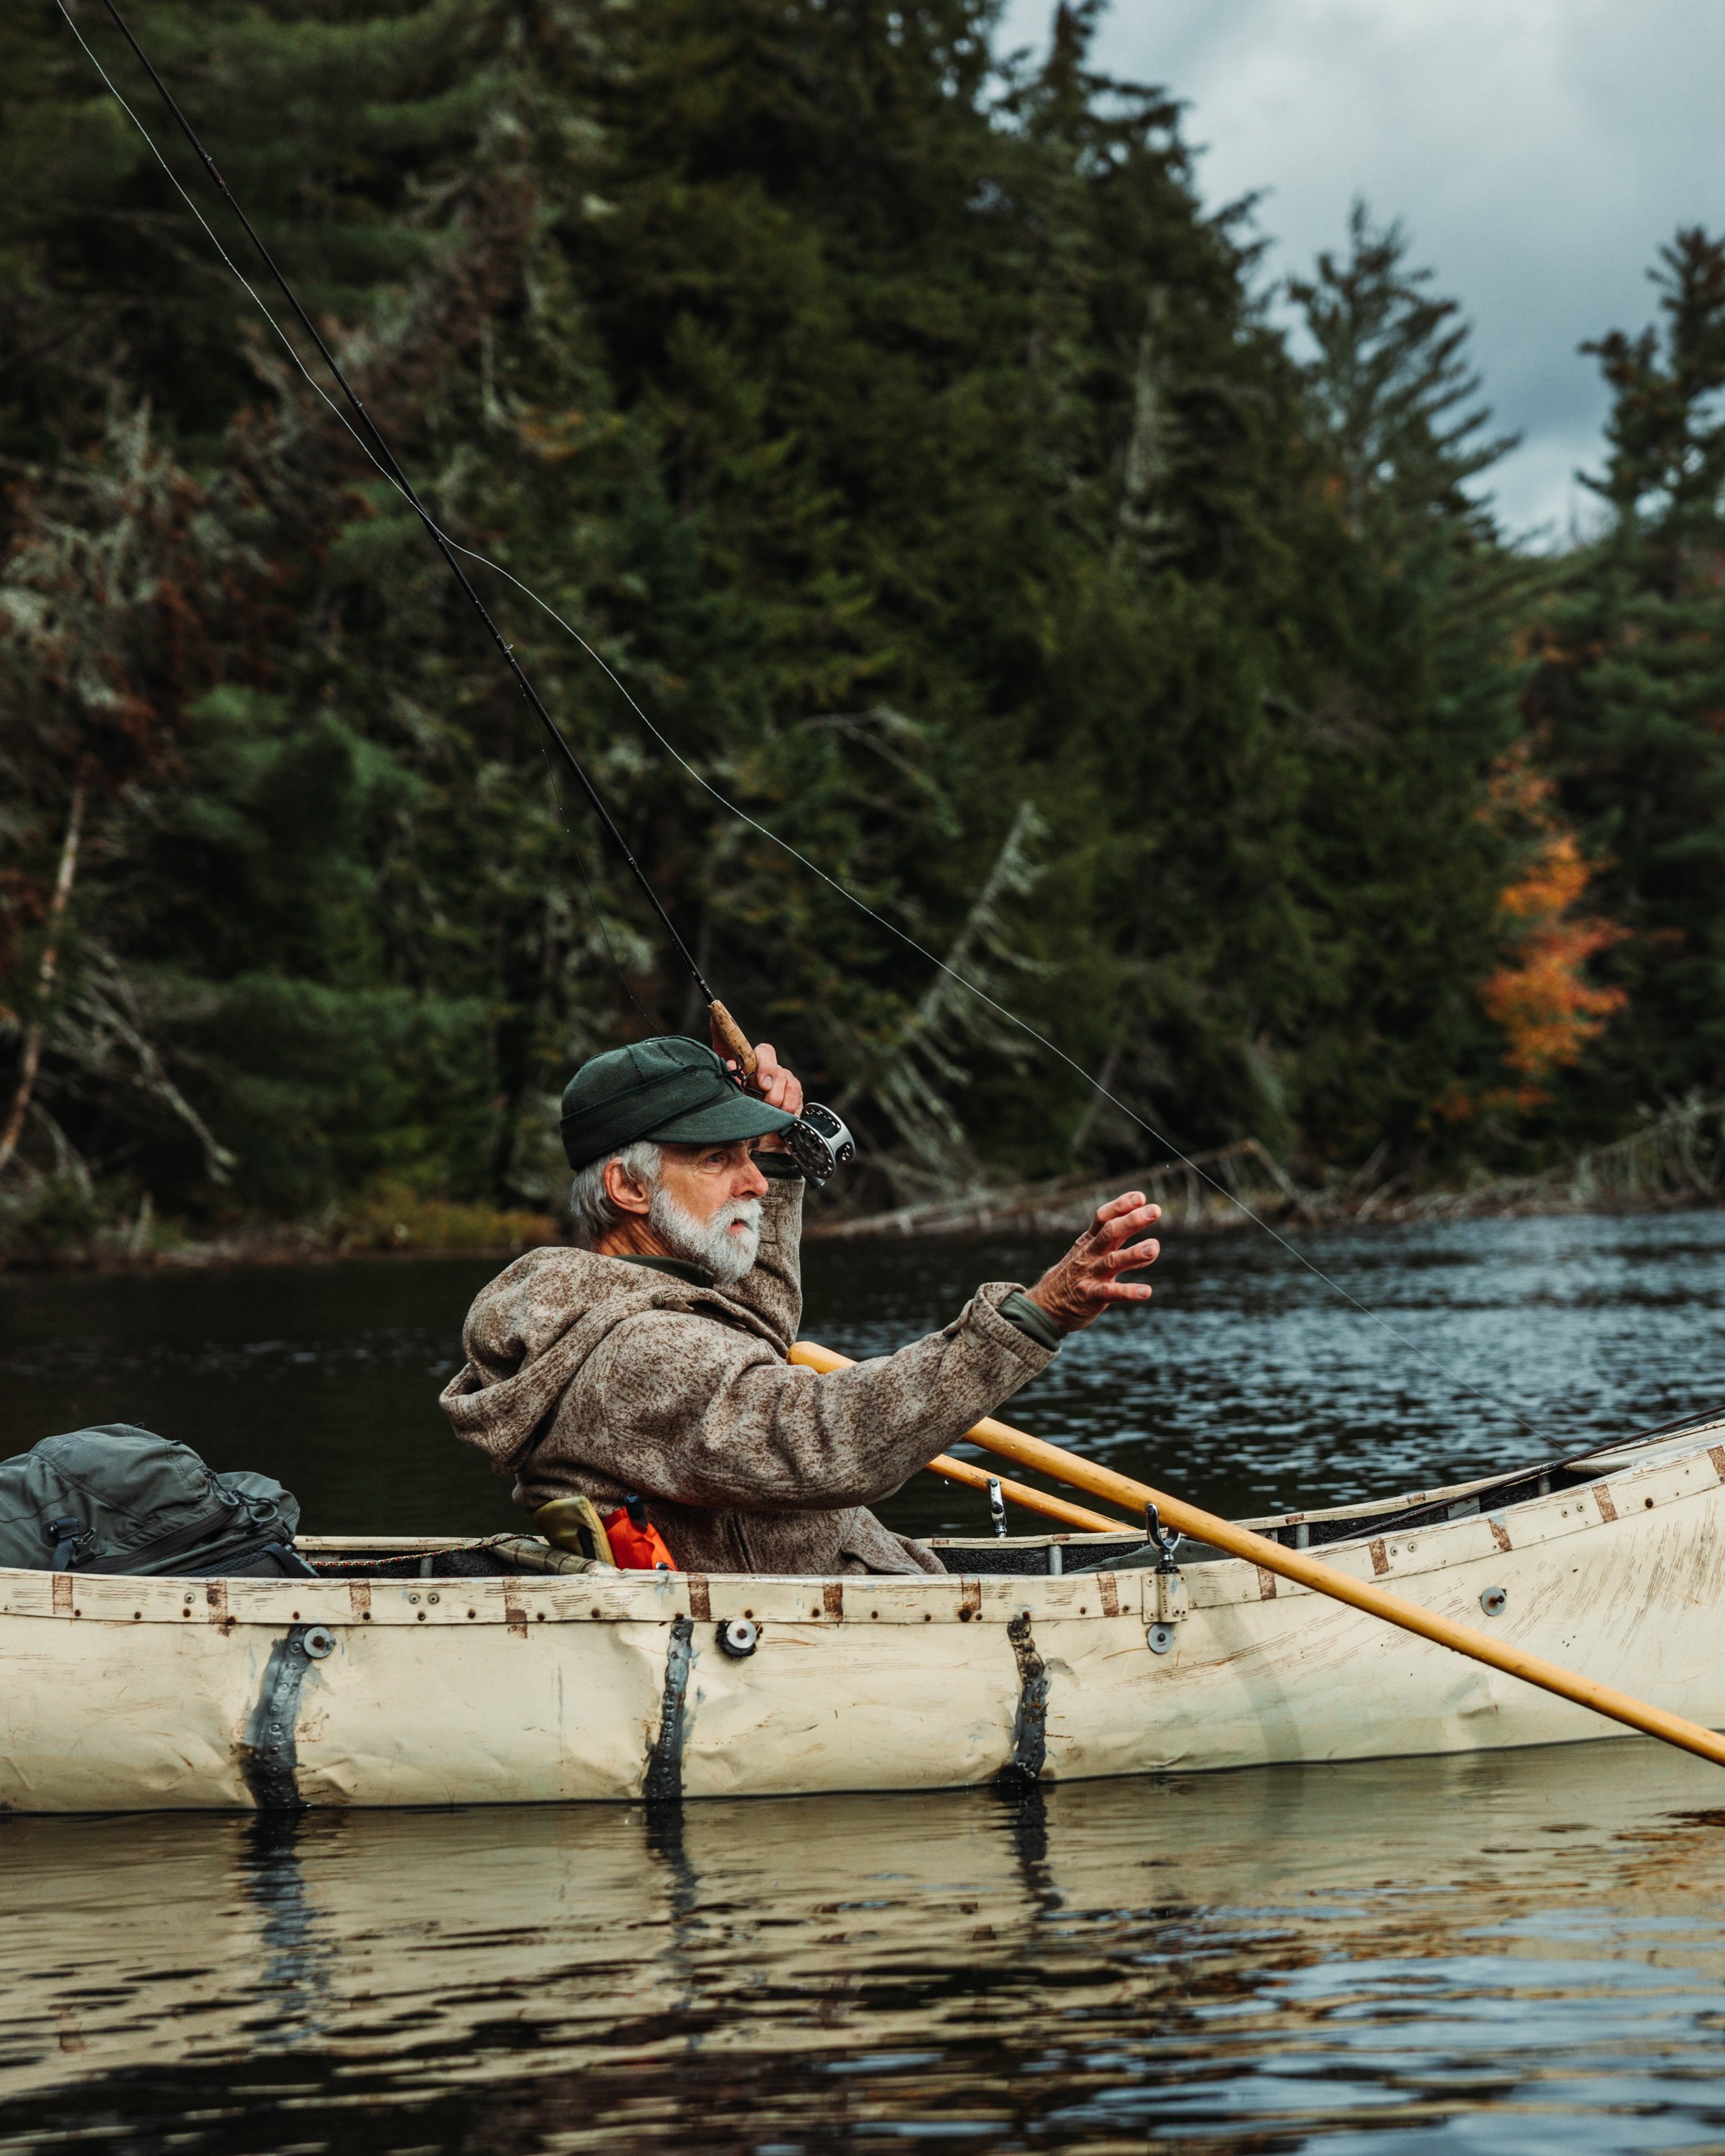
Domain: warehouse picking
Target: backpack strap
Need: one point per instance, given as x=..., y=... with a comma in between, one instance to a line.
x=64, y=1538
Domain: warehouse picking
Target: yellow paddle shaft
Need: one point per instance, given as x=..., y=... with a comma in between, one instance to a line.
x=1270, y=1557
x=1021, y=1493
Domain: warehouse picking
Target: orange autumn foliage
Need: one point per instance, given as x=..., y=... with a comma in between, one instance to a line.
x=1539, y=994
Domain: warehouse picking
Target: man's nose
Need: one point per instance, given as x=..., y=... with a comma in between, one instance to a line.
x=750, y=1184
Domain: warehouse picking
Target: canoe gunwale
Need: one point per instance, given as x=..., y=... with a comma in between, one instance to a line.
x=522, y=1602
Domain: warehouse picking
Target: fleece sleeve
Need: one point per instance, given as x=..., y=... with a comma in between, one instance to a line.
x=678, y=1406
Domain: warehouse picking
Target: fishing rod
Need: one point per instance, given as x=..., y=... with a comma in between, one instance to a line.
x=834, y=1141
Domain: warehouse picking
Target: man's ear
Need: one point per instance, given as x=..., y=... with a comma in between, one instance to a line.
x=624, y=1193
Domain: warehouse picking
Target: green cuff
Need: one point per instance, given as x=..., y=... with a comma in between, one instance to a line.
x=1032, y=1320
x=778, y=1166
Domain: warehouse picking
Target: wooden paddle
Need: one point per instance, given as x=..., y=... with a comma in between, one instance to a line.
x=1270, y=1557
x=1021, y=1493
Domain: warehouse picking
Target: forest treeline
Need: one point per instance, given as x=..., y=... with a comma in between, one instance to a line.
x=934, y=470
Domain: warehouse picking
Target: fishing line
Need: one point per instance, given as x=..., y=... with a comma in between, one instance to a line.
x=398, y=483
x=447, y=546
x=392, y=471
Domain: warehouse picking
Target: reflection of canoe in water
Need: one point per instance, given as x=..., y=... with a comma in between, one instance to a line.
x=704, y=1972
x=391, y=1682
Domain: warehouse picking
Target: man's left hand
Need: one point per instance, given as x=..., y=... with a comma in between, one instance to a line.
x=1076, y=1290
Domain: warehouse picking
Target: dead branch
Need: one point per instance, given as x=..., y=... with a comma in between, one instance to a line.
x=47, y=972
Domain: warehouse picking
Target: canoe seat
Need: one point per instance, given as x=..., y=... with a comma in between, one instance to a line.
x=497, y=1557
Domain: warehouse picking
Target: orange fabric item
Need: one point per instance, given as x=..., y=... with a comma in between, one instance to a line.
x=636, y=1544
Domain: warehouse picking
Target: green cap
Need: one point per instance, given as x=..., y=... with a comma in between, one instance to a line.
x=672, y=1090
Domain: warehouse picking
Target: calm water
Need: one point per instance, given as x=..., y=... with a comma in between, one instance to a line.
x=1519, y=1953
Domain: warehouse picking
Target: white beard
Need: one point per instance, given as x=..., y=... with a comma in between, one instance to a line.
x=727, y=1253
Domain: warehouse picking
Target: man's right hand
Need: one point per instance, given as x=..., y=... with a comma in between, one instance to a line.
x=1077, y=1290
x=777, y=1087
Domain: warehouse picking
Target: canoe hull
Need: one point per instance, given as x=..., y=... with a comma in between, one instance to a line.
x=120, y=1694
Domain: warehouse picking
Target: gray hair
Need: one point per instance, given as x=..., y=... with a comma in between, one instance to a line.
x=591, y=1211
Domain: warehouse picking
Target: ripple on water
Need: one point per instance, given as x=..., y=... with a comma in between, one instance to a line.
x=1524, y=1952
x=1507, y=1952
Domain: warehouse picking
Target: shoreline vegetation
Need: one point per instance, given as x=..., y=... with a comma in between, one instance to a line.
x=1676, y=1162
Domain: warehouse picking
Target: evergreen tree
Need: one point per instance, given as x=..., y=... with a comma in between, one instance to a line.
x=160, y=566
x=1633, y=687
x=1414, y=698
x=1393, y=388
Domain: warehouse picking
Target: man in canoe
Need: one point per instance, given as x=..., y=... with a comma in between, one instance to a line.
x=650, y=1361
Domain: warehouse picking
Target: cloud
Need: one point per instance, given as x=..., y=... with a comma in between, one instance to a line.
x=1539, y=154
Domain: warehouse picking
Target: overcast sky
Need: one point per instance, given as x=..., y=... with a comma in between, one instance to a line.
x=1538, y=152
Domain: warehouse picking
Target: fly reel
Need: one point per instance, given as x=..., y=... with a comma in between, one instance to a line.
x=819, y=1142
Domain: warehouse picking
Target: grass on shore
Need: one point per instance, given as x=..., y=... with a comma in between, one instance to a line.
x=63, y=1221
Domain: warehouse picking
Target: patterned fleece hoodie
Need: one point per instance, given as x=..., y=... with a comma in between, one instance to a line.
x=595, y=1376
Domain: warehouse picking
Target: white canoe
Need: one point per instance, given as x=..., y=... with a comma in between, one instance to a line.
x=127, y=1693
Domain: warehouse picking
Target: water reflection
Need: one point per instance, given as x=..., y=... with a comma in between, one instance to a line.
x=295, y=1954
x=1235, y=1961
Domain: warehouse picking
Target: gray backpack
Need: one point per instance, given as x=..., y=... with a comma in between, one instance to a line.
x=121, y=1499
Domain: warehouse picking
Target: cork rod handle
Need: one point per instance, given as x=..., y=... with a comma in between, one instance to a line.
x=733, y=1036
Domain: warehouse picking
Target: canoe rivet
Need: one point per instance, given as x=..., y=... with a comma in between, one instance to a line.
x=365, y=1616
x=412, y=1598
x=318, y=1641
x=539, y=1616
x=1159, y=1638
x=420, y=1620
x=1493, y=1601
x=874, y=1613
x=738, y=1638
x=473, y=1613
x=1648, y=1503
